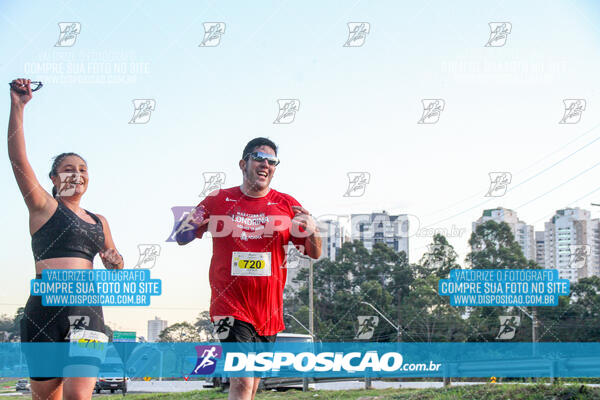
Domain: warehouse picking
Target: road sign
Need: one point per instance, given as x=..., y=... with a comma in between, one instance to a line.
x=123, y=336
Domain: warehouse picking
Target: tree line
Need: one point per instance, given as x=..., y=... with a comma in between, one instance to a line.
x=407, y=295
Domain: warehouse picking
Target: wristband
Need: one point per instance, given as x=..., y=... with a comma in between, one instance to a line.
x=187, y=235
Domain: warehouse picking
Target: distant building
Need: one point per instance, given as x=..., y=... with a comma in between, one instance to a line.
x=540, y=249
x=335, y=233
x=155, y=327
x=391, y=230
x=522, y=232
x=572, y=244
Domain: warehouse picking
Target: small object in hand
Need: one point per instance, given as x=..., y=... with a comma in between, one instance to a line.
x=35, y=85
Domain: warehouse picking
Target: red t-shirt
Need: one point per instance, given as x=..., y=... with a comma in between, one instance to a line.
x=249, y=235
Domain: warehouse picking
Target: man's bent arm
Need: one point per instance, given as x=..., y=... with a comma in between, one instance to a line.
x=184, y=237
x=313, y=245
x=188, y=228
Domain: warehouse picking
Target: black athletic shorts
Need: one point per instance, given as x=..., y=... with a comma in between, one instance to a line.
x=55, y=324
x=242, y=332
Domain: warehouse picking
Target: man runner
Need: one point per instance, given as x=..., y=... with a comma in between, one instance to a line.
x=251, y=226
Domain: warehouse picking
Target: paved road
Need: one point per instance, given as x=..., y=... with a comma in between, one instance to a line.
x=347, y=385
x=164, y=386
x=182, y=386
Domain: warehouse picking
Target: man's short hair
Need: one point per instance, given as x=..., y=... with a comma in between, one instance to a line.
x=258, y=142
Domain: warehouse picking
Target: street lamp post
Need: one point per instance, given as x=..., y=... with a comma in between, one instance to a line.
x=534, y=322
x=533, y=317
x=304, y=380
x=302, y=325
x=397, y=328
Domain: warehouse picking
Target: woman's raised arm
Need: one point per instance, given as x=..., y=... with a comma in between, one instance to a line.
x=33, y=193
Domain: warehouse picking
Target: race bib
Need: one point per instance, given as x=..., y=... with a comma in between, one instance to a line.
x=250, y=264
x=87, y=343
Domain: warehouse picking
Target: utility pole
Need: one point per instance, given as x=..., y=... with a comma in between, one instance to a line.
x=311, y=300
x=534, y=323
x=399, y=335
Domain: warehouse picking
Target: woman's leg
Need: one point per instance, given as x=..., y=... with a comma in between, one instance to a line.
x=78, y=388
x=47, y=390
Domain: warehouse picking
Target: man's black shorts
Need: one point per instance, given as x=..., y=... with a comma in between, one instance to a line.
x=242, y=332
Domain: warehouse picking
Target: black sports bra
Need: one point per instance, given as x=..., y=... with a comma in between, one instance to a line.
x=67, y=235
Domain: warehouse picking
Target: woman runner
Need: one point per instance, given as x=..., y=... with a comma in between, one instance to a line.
x=63, y=236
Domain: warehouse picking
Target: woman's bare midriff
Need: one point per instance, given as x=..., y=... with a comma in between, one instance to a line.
x=63, y=263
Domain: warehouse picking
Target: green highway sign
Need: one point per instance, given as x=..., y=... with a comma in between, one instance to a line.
x=123, y=336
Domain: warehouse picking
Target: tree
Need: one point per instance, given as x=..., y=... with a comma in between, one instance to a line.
x=493, y=246
x=427, y=316
x=204, y=326
x=15, y=330
x=579, y=319
x=6, y=324
x=109, y=332
x=380, y=277
x=439, y=259
x=180, y=332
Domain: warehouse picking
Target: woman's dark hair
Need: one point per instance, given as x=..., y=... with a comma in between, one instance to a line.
x=257, y=142
x=56, y=162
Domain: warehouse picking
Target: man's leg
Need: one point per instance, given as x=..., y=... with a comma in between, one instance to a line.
x=255, y=388
x=242, y=388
